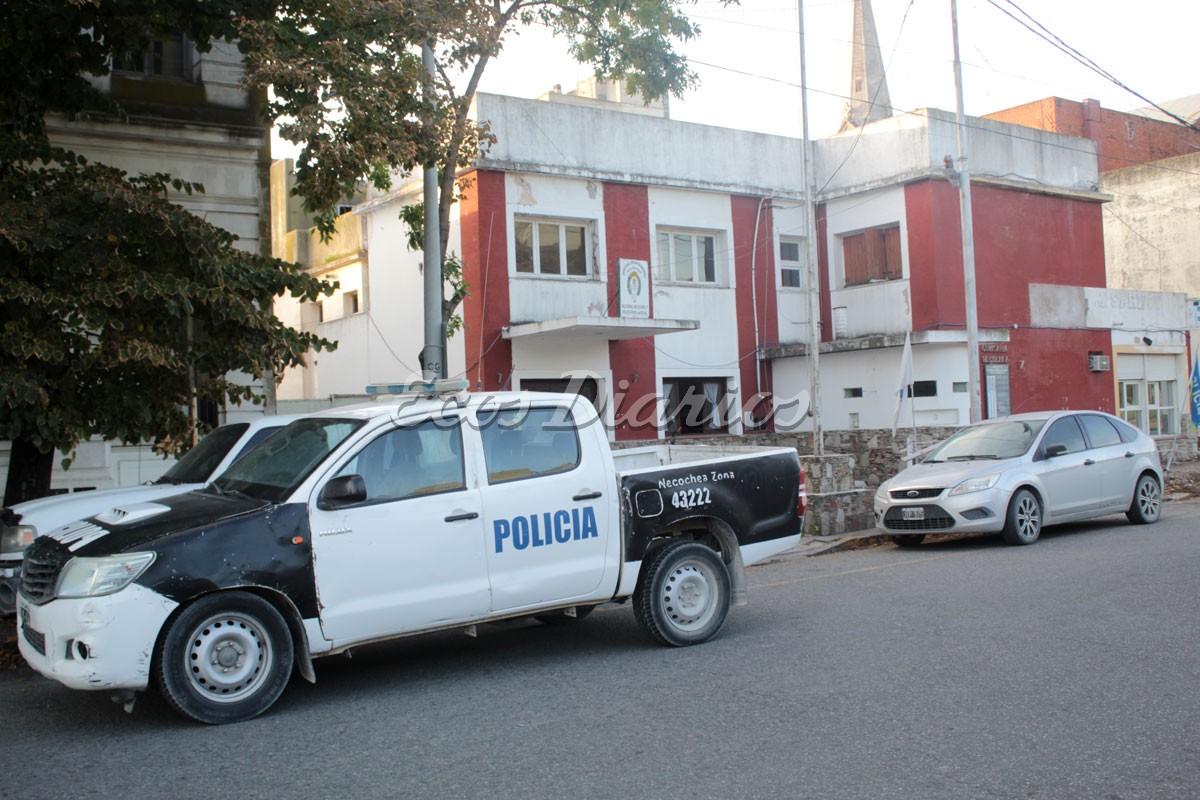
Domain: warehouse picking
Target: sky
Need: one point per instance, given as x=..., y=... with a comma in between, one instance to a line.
x=748, y=58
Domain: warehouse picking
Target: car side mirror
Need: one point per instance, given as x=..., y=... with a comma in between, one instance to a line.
x=1053, y=450
x=343, y=491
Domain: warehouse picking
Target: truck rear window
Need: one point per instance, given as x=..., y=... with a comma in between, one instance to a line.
x=527, y=442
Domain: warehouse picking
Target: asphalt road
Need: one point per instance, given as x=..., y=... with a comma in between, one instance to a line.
x=958, y=669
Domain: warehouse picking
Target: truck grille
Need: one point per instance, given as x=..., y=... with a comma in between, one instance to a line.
x=36, y=639
x=935, y=520
x=43, y=561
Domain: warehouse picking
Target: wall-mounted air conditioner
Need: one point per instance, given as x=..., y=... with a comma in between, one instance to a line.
x=1099, y=363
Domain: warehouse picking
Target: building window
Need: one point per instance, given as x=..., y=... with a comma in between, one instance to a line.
x=351, y=301
x=793, y=263
x=549, y=247
x=1149, y=405
x=696, y=405
x=852, y=392
x=168, y=56
x=686, y=257
x=872, y=256
x=923, y=389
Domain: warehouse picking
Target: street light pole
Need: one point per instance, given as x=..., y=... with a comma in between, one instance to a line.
x=814, y=283
x=433, y=355
x=968, y=234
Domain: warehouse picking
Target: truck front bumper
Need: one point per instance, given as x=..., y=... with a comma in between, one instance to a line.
x=102, y=642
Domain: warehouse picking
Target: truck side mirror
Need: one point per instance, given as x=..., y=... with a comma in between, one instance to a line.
x=342, y=491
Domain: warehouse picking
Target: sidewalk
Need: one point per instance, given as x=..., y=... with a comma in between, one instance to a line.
x=853, y=540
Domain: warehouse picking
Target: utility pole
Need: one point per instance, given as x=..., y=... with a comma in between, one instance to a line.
x=968, y=234
x=814, y=283
x=433, y=355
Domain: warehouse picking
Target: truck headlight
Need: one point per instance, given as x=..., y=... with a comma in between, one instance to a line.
x=89, y=577
x=15, y=538
x=976, y=484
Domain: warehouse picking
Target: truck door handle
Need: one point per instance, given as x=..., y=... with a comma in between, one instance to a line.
x=1087, y=462
x=462, y=516
x=586, y=495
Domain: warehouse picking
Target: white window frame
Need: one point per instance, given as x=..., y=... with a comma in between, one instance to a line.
x=1147, y=413
x=562, y=223
x=799, y=265
x=664, y=272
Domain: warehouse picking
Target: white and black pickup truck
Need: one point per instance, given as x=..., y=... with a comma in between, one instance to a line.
x=414, y=515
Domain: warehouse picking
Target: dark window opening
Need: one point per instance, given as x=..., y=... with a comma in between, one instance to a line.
x=855, y=391
x=696, y=406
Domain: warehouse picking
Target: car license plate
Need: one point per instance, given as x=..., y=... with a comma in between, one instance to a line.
x=913, y=514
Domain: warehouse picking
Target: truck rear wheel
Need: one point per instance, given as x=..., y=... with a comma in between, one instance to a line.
x=682, y=596
x=226, y=658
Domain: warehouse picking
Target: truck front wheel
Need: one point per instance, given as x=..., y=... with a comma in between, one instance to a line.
x=682, y=595
x=226, y=658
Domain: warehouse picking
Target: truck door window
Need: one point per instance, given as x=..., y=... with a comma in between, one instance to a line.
x=411, y=461
x=528, y=442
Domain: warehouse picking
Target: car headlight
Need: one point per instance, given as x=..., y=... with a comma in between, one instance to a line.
x=15, y=538
x=89, y=577
x=881, y=492
x=976, y=484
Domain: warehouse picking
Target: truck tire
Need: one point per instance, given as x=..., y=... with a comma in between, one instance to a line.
x=682, y=595
x=226, y=658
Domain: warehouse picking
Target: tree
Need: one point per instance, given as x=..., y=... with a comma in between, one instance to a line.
x=349, y=87
x=112, y=295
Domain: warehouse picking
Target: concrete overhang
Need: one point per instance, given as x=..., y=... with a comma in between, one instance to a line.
x=610, y=328
x=882, y=340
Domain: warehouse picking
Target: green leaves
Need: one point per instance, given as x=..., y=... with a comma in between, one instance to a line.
x=99, y=275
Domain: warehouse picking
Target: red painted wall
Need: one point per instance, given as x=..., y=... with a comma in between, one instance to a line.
x=1122, y=140
x=485, y=268
x=753, y=263
x=633, y=362
x=1020, y=238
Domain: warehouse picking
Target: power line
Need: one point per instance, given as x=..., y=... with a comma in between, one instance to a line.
x=1044, y=33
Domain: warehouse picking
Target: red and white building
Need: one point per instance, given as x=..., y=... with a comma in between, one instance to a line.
x=655, y=260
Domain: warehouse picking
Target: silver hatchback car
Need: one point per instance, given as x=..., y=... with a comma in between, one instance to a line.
x=1015, y=474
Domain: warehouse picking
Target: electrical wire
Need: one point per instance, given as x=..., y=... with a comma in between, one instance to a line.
x=1044, y=33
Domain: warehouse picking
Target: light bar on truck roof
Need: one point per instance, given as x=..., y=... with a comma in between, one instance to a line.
x=425, y=388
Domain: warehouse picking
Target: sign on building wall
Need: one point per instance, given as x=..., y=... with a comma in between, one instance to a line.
x=635, y=288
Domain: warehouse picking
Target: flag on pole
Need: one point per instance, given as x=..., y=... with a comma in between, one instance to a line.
x=906, y=377
x=1196, y=387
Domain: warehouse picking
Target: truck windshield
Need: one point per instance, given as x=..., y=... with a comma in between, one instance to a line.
x=990, y=441
x=197, y=464
x=272, y=471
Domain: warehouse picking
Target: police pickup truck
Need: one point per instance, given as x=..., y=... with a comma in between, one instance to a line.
x=215, y=453
x=422, y=513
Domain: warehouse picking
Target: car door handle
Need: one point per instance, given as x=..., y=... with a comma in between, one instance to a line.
x=462, y=516
x=1129, y=454
x=1087, y=462
x=586, y=495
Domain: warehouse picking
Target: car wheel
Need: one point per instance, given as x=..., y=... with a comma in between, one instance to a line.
x=682, y=596
x=1024, y=522
x=1147, y=501
x=908, y=539
x=226, y=658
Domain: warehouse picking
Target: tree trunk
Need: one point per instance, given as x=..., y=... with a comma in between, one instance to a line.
x=29, y=472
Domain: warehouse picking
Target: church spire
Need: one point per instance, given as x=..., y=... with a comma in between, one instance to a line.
x=869, y=99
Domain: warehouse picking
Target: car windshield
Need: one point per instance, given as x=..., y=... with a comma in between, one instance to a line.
x=273, y=470
x=994, y=440
x=197, y=464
